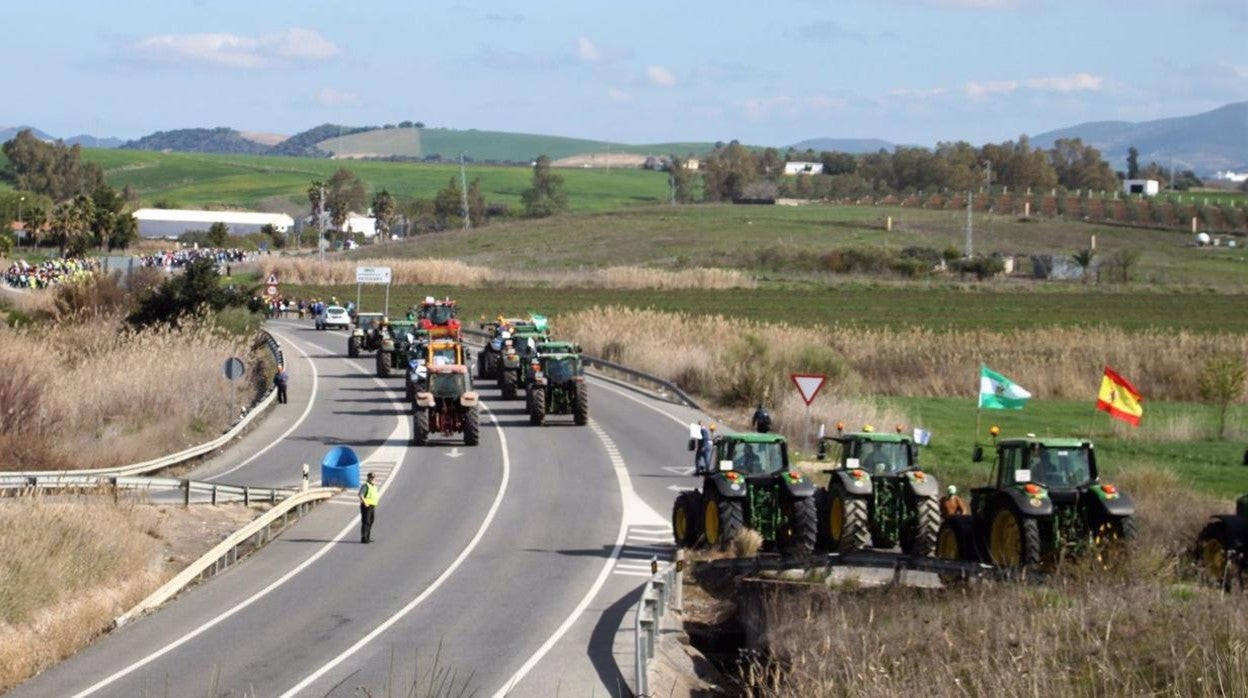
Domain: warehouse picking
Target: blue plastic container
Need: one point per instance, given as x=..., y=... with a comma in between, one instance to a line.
x=340, y=468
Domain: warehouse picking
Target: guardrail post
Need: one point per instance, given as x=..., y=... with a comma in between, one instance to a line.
x=639, y=653
x=651, y=622
x=186, y=493
x=678, y=582
x=246, y=496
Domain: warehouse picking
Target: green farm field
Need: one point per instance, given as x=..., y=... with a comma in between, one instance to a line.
x=490, y=145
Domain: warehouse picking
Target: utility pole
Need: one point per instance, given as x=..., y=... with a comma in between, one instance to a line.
x=320, y=223
x=463, y=193
x=970, y=196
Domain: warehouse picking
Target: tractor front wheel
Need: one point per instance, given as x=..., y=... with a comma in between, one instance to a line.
x=409, y=390
x=472, y=426
x=722, y=519
x=481, y=366
x=420, y=427
x=537, y=406
x=353, y=347
x=1014, y=540
x=580, y=411
x=802, y=529
x=685, y=514
x=955, y=542
x=919, y=537
x=508, y=383
x=847, y=525
x=383, y=364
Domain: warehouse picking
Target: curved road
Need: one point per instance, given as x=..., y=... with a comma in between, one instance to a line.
x=506, y=568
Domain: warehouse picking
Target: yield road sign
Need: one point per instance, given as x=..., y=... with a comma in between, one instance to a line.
x=808, y=385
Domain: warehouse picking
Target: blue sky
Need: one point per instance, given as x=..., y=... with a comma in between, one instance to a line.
x=768, y=73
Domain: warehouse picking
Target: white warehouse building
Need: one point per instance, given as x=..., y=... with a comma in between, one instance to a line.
x=172, y=222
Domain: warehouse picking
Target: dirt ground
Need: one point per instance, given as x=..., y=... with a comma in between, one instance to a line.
x=188, y=532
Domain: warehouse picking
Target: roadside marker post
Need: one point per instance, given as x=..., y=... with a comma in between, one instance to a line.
x=808, y=386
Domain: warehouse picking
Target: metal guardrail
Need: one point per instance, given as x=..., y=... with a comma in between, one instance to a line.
x=257, y=533
x=603, y=364
x=163, y=462
x=69, y=481
x=899, y=563
x=662, y=591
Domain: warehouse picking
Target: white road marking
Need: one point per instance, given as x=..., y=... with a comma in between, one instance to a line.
x=463, y=555
x=643, y=403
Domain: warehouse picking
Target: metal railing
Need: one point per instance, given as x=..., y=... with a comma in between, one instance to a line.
x=24, y=483
x=661, y=592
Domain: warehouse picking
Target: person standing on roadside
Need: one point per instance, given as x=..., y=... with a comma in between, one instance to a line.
x=280, y=379
x=369, y=495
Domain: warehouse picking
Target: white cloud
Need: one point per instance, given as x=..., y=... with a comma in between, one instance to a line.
x=982, y=90
x=660, y=76
x=330, y=97
x=917, y=93
x=1241, y=71
x=825, y=103
x=586, y=51
x=286, y=47
x=1079, y=82
x=617, y=95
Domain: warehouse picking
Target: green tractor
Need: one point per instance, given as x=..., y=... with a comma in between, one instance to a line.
x=555, y=383
x=750, y=486
x=397, y=338
x=877, y=495
x=1222, y=547
x=490, y=359
x=525, y=336
x=1044, y=501
x=366, y=336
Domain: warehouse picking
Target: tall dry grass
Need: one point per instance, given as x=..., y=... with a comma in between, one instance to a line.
x=444, y=272
x=1142, y=627
x=89, y=392
x=67, y=568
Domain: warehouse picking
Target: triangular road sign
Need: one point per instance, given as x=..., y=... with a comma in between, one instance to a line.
x=808, y=385
x=272, y=280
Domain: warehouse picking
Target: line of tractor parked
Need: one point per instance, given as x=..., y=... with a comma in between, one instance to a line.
x=427, y=346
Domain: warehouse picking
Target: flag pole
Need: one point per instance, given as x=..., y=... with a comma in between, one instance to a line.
x=1092, y=420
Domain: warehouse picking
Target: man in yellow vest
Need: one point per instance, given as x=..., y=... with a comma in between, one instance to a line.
x=369, y=494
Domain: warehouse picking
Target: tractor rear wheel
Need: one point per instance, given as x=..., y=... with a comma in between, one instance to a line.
x=409, y=390
x=353, y=347
x=802, y=528
x=846, y=524
x=1014, y=540
x=1213, y=547
x=420, y=427
x=722, y=519
x=919, y=538
x=508, y=383
x=685, y=514
x=383, y=364
x=537, y=406
x=472, y=426
x=955, y=542
x=481, y=366
x=580, y=410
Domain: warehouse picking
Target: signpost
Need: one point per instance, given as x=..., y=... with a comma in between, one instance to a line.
x=808, y=386
x=372, y=275
x=233, y=369
x=270, y=287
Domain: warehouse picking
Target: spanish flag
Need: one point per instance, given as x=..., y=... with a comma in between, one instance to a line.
x=1119, y=398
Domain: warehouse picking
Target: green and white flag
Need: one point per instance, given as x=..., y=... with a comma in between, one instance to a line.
x=996, y=392
x=539, y=321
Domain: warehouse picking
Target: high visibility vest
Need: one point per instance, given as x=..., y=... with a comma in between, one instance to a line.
x=371, y=494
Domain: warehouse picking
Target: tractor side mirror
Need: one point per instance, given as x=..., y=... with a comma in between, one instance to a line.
x=914, y=452
x=977, y=455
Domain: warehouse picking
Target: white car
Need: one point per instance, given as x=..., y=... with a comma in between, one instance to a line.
x=336, y=316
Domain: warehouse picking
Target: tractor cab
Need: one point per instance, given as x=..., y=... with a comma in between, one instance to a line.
x=877, y=454
x=1059, y=469
x=435, y=313
x=448, y=381
x=751, y=454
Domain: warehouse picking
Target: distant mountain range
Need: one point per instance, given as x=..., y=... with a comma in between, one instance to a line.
x=1208, y=142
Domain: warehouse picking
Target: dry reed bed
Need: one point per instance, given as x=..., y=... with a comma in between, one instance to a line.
x=91, y=393
x=443, y=272
x=66, y=570
x=1143, y=627
x=740, y=361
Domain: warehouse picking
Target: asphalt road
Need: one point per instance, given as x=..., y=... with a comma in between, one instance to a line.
x=505, y=568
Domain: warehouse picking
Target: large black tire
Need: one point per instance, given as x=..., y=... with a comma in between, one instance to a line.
x=955, y=542
x=481, y=366
x=353, y=346
x=1215, y=548
x=799, y=535
x=686, y=515
x=846, y=524
x=722, y=519
x=580, y=410
x=537, y=406
x=472, y=427
x=1013, y=540
x=409, y=390
x=420, y=426
x=383, y=364
x=508, y=383
x=919, y=538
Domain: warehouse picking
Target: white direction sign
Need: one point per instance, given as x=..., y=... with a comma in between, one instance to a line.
x=808, y=385
x=372, y=275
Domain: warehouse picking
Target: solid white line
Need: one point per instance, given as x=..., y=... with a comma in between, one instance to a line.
x=398, y=433
x=627, y=573
x=603, y=384
x=463, y=555
x=626, y=486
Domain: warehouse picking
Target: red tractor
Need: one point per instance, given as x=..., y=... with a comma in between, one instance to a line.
x=447, y=406
x=435, y=314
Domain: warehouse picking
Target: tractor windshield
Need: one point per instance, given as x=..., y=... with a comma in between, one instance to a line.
x=1059, y=467
x=882, y=458
x=446, y=384
x=561, y=370
x=756, y=459
x=439, y=314
x=444, y=356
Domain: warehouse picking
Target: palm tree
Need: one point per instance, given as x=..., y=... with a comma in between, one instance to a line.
x=316, y=200
x=1084, y=259
x=71, y=223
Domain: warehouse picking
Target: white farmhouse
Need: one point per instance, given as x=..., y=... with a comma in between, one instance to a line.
x=1147, y=187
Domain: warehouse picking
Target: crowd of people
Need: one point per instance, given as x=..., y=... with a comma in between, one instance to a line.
x=21, y=274
x=176, y=259
x=301, y=308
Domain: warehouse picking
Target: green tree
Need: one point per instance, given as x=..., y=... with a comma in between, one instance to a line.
x=125, y=232
x=1122, y=262
x=1221, y=384
x=447, y=204
x=71, y=225
x=476, y=203
x=196, y=291
x=546, y=197
x=682, y=180
x=109, y=210
x=728, y=171
x=1084, y=258
x=345, y=193
x=316, y=200
x=218, y=235
x=52, y=169
x=1133, y=163
x=383, y=212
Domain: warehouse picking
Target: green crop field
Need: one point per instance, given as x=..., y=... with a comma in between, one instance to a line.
x=490, y=145
x=199, y=180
